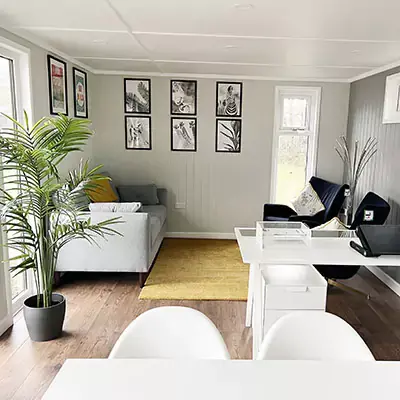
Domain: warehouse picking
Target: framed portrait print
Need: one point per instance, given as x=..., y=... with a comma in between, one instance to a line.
x=228, y=136
x=391, y=107
x=229, y=99
x=137, y=95
x=183, y=134
x=137, y=133
x=183, y=97
x=80, y=93
x=58, y=96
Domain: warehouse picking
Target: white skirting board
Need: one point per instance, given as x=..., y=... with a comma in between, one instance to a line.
x=386, y=279
x=200, y=235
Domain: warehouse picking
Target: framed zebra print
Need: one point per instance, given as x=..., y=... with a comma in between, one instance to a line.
x=229, y=99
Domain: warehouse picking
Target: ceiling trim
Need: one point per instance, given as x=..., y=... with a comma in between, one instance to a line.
x=38, y=42
x=223, y=63
x=216, y=76
x=375, y=71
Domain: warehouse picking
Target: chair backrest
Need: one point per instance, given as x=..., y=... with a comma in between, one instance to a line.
x=313, y=335
x=373, y=210
x=331, y=194
x=171, y=332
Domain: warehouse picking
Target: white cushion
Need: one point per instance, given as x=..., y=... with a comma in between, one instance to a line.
x=333, y=225
x=115, y=207
x=308, y=202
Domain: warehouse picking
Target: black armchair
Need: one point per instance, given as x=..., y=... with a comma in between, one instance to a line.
x=373, y=210
x=331, y=194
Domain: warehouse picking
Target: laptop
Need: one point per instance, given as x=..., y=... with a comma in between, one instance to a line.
x=378, y=240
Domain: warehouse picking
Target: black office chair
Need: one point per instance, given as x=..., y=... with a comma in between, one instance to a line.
x=373, y=210
x=331, y=195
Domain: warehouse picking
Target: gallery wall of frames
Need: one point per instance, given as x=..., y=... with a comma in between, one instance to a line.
x=183, y=115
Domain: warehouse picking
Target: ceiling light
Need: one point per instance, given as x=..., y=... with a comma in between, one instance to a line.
x=244, y=6
x=231, y=46
x=99, y=41
x=356, y=51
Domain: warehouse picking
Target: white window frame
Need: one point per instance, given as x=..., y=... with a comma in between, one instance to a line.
x=20, y=56
x=314, y=93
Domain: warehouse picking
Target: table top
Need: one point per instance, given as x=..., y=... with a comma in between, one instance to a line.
x=218, y=379
x=327, y=251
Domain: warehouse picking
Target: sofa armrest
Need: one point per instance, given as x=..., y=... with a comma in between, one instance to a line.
x=162, y=195
x=278, y=210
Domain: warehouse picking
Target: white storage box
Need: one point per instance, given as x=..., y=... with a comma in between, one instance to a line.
x=290, y=288
x=268, y=233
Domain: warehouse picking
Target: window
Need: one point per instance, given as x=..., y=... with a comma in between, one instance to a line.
x=13, y=69
x=295, y=141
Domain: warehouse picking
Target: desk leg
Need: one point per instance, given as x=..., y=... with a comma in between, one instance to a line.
x=257, y=321
x=250, y=297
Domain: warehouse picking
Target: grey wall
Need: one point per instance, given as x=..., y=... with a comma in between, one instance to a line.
x=365, y=120
x=220, y=190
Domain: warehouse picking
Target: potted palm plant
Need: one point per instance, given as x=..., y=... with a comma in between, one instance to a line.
x=41, y=213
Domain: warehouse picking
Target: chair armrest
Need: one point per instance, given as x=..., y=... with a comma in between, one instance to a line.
x=278, y=210
x=311, y=220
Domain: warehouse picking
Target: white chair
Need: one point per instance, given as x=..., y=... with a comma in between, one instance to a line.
x=171, y=332
x=313, y=335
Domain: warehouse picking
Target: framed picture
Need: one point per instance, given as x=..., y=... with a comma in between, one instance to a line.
x=80, y=93
x=183, y=97
x=391, y=108
x=229, y=99
x=137, y=133
x=137, y=96
x=228, y=135
x=57, y=72
x=183, y=134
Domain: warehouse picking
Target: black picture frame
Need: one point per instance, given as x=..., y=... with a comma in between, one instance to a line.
x=172, y=82
x=239, y=121
x=125, y=96
x=195, y=134
x=49, y=76
x=217, y=114
x=126, y=132
x=76, y=113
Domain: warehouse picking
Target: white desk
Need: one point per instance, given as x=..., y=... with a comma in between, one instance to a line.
x=218, y=380
x=326, y=251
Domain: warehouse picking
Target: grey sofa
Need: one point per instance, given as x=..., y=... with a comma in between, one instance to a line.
x=135, y=251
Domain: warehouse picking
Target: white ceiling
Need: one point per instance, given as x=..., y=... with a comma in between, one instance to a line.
x=270, y=39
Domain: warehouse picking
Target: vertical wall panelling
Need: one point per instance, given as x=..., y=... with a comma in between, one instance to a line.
x=365, y=120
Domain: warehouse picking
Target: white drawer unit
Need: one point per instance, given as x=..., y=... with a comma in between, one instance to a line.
x=290, y=288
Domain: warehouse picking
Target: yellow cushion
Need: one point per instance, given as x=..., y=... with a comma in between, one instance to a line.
x=103, y=193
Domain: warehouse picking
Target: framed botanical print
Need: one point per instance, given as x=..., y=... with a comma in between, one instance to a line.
x=228, y=137
x=229, y=99
x=137, y=96
x=137, y=133
x=58, y=96
x=183, y=97
x=80, y=93
x=183, y=134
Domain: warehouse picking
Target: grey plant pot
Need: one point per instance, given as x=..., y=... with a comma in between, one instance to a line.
x=44, y=323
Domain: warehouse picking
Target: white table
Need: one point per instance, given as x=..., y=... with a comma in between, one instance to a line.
x=325, y=251
x=218, y=380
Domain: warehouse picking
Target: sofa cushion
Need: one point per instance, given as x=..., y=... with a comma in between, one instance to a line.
x=158, y=215
x=145, y=194
x=308, y=202
x=104, y=193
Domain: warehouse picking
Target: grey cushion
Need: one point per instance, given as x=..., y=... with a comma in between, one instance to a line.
x=145, y=194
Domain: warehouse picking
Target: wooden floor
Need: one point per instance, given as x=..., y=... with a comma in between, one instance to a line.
x=100, y=306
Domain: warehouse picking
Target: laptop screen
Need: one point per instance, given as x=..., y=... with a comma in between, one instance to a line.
x=381, y=239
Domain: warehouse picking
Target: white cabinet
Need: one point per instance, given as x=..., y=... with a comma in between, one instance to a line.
x=290, y=288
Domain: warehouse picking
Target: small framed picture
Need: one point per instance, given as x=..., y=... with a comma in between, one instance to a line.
x=80, y=93
x=183, y=134
x=183, y=97
x=137, y=133
x=229, y=99
x=137, y=96
x=228, y=136
x=58, y=96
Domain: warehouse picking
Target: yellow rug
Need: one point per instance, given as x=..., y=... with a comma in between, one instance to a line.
x=194, y=269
